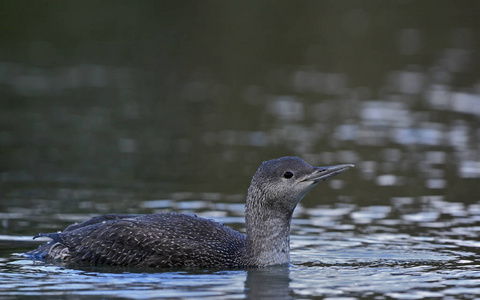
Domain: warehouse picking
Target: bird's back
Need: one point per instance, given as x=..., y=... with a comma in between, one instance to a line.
x=158, y=240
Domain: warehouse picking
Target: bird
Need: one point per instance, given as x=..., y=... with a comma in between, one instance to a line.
x=170, y=240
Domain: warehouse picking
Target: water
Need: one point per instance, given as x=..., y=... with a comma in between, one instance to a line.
x=339, y=250
x=152, y=107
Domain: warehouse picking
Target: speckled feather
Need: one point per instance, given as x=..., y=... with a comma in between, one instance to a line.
x=158, y=240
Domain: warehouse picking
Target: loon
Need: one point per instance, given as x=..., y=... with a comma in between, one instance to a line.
x=177, y=240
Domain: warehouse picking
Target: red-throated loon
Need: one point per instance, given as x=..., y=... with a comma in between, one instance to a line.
x=178, y=240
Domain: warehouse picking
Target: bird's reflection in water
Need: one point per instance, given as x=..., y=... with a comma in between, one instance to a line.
x=268, y=283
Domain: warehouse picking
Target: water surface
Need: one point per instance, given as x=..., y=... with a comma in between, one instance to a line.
x=153, y=107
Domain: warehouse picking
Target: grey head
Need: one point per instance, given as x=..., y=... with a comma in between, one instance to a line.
x=285, y=181
x=276, y=189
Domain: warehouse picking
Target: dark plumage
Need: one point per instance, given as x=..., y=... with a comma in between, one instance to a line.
x=178, y=240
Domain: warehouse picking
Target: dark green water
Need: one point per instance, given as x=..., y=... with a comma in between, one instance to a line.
x=127, y=107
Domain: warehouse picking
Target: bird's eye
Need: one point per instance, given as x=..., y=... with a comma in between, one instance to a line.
x=288, y=174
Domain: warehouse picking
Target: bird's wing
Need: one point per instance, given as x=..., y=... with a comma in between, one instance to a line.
x=152, y=240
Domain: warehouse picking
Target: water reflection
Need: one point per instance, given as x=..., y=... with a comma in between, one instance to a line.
x=268, y=283
x=298, y=124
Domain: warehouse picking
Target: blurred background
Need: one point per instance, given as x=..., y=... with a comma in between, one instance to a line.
x=136, y=106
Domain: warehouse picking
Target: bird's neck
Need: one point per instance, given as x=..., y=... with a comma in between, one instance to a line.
x=268, y=231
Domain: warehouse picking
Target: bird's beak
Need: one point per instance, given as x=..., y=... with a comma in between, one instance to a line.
x=323, y=173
